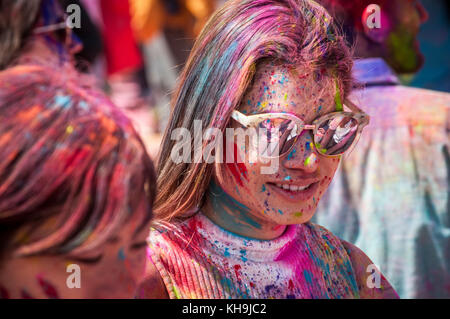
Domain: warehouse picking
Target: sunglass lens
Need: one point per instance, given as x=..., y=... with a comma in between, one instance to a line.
x=277, y=136
x=335, y=135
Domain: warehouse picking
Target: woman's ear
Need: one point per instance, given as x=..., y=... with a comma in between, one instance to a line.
x=376, y=24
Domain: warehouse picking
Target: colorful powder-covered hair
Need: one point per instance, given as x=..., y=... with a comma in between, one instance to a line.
x=220, y=68
x=73, y=170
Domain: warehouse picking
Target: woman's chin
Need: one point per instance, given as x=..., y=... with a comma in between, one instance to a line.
x=293, y=216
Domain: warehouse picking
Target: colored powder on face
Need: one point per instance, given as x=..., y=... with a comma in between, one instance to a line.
x=48, y=288
x=283, y=79
x=226, y=253
x=236, y=169
x=298, y=214
x=230, y=208
x=263, y=189
x=69, y=129
x=291, y=154
x=264, y=104
x=310, y=160
x=121, y=254
x=224, y=203
x=320, y=149
x=287, y=178
x=280, y=211
x=307, y=161
x=308, y=146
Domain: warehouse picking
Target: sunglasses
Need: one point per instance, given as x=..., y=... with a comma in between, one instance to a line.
x=333, y=134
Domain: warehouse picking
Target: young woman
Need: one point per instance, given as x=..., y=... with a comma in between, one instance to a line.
x=233, y=229
x=76, y=184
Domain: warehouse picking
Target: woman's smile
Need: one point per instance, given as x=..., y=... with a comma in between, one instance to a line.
x=296, y=191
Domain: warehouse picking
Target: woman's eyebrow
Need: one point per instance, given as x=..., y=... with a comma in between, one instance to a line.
x=88, y=260
x=113, y=240
x=138, y=245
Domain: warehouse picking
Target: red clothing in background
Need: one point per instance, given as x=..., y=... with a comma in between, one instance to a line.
x=121, y=50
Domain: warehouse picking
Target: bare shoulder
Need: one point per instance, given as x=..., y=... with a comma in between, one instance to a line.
x=152, y=286
x=371, y=282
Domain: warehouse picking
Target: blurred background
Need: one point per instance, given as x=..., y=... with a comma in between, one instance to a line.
x=136, y=49
x=434, y=40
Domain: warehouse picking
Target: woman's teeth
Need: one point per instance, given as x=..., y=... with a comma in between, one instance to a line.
x=292, y=188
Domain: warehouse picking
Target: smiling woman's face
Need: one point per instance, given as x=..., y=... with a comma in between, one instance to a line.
x=291, y=194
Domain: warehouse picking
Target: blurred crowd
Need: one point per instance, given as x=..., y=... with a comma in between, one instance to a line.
x=135, y=49
x=390, y=197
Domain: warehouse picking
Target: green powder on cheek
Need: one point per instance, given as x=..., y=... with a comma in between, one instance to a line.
x=308, y=161
x=298, y=214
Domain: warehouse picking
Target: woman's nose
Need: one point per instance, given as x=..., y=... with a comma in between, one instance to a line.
x=302, y=156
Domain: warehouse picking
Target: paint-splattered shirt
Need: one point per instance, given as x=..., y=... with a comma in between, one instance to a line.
x=198, y=259
x=391, y=196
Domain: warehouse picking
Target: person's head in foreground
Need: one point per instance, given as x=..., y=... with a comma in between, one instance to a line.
x=241, y=228
x=76, y=184
x=383, y=28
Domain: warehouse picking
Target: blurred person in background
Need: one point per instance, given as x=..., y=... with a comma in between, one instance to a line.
x=89, y=34
x=391, y=196
x=434, y=39
x=167, y=30
x=123, y=67
x=76, y=184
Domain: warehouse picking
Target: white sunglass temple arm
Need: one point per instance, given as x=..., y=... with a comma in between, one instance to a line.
x=239, y=117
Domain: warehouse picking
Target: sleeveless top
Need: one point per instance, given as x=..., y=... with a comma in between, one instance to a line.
x=198, y=259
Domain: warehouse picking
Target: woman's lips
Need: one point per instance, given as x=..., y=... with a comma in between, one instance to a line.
x=295, y=193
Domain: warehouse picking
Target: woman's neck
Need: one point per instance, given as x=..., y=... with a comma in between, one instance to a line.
x=235, y=217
